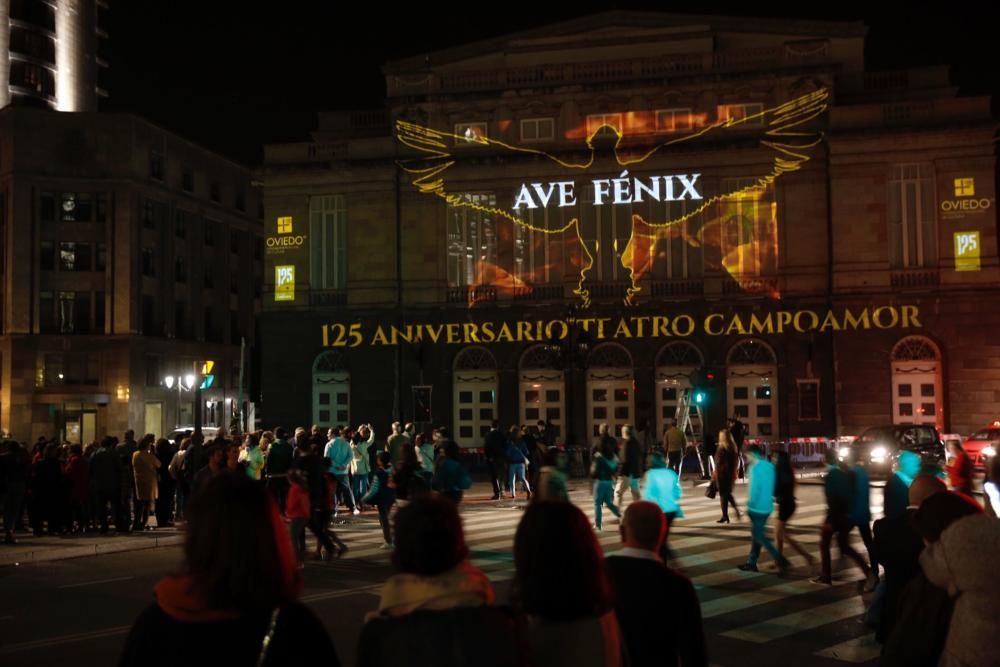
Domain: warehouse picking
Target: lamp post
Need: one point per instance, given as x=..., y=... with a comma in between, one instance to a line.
x=567, y=352
x=184, y=383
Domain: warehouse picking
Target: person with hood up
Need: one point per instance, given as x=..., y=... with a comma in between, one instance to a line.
x=662, y=486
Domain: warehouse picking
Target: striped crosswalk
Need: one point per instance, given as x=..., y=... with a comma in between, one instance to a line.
x=753, y=607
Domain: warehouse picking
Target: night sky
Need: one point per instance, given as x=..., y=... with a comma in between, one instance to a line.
x=233, y=76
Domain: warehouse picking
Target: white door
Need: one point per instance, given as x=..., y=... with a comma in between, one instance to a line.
x=916, y=394
x=670, y=382
x=90, y=428
x=753, y=398
x=332, y=399
x=543, y=399
x=610, y=401
x=475, y=402
x=153, y=418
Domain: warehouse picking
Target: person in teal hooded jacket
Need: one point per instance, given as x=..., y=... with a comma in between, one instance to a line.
x=760, y=504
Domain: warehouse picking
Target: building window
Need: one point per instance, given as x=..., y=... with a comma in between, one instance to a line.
x=99, y=312
x=156, y=164
x=538, y=129
x=47, y=207
x=752, y=388
x=76, y=207
x=46, y=313
x=180, y=224
x=181, y=323
x=673, y=120
x=101, y=257
x=70, y=369
x=328, y=242
x=153, y=376
x=148, y=263
x=211, y=328
x=209, y=279
x=749, y=226
x=213, y=192
x=234, y=242
x=675, y=365
x=674, y=252
x=209, y=233
x=809, y=405
x=180, y=270
x=102, y=208
x=470, y=134
x=149, y=325
x=597, y=120
x=47, y=256
x=610, y=384
x=912, y=224
x=74, y=312
x=187, y=180
x=745, y=115
x=472, y=241
x=241, y=202
x=74, y=256
x=148, y=215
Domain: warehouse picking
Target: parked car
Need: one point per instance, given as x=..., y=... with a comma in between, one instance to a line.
x=878, y=447
x=982, y=445
x=177, y=434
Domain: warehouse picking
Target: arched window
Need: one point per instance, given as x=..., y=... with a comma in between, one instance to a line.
x=752, y=387
x=917, y=397
x=675, y=364
x=331, y=390
x=542, y=389
x=475, y=395
x=610, y=385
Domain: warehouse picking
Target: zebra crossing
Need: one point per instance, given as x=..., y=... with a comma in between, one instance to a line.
x=756, y=609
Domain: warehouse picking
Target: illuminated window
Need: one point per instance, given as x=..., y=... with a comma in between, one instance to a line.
x=747, y=115
x=673, y=120
x=537, y=129
x=606, y=231
x=74, y=256
x=912, y=228
x=472, y=241
x=532, y=249
x=749, y=225
x=469, y=133
x=675, y=252
x=597, y=120
x=328, y=242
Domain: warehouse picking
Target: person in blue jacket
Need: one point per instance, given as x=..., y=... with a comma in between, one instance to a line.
x=760, y=504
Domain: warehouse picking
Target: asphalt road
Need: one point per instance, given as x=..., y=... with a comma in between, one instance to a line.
x=79, y=611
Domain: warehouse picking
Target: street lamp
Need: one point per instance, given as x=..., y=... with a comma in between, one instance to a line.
x=184, y=383
x=567, y=352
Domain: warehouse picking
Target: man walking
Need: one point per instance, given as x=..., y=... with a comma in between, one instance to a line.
x=837, y=485
x=675, y=443
x=495, y=449
x=395, y=445
x=860, y=513
x=126, y=478
x=339, y=452
x=631, y=465
x=760, y=504
x=279, y=461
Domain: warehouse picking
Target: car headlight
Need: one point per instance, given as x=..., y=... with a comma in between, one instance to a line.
x=879, y=454
x=989, y=452
x=844, y=453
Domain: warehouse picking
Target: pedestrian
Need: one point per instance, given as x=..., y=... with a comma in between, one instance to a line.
x=552, y=481
x=784, y=494
x=395, y=444
x=631, y=469
x=661, y=486
x=382, y=494
x=725, y=474
x=181, y=483
x=860, y=512
x=235, y=601
x=338, y=451
x=760, y=504
x=363, y=439
x=215, y=464
x=254, y=457
x=838, y=491
x=409, y=479
x=602, y=469
x=77, y=478
x=561, y=588
x=165, y=485
x=425, y=452
x=321, y=504
x=495, y=451
x=145, y=467
x=299, y=511
x=657, y=608
x=738, y=431
x=675, y=444
x=959, y=468
x=16, y=472
x=517, y=462
x=48, y=493
x=125, y=449
x=277, y=465
x=451, y=478
x=437, y=608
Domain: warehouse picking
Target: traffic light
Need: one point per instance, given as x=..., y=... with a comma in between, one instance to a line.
x=208, y=378
x=699, y=396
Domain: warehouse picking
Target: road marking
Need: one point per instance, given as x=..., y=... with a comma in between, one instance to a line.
x=790, y=624
x=66, y=639
x=374, y=589
x=861, y=649
x=745, y=600
x=94, y=583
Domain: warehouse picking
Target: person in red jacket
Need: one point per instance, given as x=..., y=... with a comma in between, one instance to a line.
x=77, y=473
x=298, y=511
x=960, y=469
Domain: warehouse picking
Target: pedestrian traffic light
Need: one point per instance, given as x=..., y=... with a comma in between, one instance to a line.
x=699, y=396
x=207, y=377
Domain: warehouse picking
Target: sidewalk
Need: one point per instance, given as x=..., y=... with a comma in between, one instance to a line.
x=31, y=549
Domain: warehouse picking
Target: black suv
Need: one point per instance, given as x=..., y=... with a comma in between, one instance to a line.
x=878, y=448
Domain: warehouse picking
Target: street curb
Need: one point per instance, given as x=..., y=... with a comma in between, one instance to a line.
x=21, y=556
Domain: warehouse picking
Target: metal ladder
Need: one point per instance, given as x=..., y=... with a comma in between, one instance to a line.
x=692, y=428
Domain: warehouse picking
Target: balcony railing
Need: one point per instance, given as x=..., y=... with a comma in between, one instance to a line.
x=539, y=293
x=750, y=286
x=472, y=294
x=915, y=279
x=677, y=288
x=327, y=298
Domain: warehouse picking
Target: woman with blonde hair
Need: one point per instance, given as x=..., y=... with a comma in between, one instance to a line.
x=725, y=474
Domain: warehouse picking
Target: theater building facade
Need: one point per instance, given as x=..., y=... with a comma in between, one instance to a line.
x=578, y=222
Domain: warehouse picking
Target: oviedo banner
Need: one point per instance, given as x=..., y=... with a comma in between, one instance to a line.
x=357, y=334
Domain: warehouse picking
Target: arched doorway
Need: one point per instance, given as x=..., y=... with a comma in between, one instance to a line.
x=542, y=389
x=331, y=405
x=917, y=397
x=610, y=385
x=752, y=387
x=475, y=395
x=675, y=364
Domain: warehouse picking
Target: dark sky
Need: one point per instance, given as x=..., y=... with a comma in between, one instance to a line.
x=233, y=76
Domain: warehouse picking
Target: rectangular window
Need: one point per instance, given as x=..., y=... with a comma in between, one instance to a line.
x=181, y=323
x=46, y=313
x=148, y=263
x=809, y=409
x=749, y=228
x=67, y=312
x=76, y=207
x=47, y=256
x=180, y=270
x=149, y=324
x=210, y=232
x=234, y=242
x=211, y=328
x=47, y=207
x=472, y=241
x=101, y=209
x=180, y=224
x=99, y=312
x=675, y=252
x=187, y=180
x=673, y=120
x=468, y=134
x=538, y=129
x=101, y=257
x=328, y=242
x=148, y=216
x=70, y=369
x=912, y=223
x=597, y=120
x=153, y=375
x=74, y=256
x=745, y=115
x=156, y=165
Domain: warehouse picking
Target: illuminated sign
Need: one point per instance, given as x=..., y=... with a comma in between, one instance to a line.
x=285, y=225
x=966, y=251
x=277, y=245
x=965, y=201
x=779, y=130
x=965, y=187
x=284, y=283
x=634, y=327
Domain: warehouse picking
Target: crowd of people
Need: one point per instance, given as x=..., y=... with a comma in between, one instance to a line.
x=249, y=503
